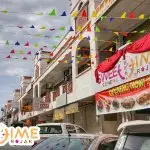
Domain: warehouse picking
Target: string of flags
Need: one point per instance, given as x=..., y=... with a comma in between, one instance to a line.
x=53, y=13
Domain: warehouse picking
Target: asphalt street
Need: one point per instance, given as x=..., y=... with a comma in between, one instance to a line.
x=8, y=147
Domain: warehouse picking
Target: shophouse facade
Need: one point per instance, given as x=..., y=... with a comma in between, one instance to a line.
x=63, y=89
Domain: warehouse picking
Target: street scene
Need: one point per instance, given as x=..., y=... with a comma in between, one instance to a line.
x=75, y=74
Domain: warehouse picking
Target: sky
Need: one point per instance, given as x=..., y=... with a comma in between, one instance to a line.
x=12, y=69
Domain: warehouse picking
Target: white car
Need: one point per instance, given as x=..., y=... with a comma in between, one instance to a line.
x=47, y=129
x=135, y=135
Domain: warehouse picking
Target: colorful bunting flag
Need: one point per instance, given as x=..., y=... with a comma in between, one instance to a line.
x=43, y=28
x=40, y=14
x=81, y=37
x=94, y=14
x=37, y=34
x=62, y=28
x=53, y=13
x=4, y=11
x=117, y=33
x=111, y=19
x=142, y=31
x=20, y=26
x=89, y=28
x=84, y=14
x=8, y=56
x=12, y=51
x=97, y=29
x=54, y=46
x=20, y=52
x=111, y=49
x=29, y=53
x=132, y=15
x=25, y=58
x=17, y=43
x=27, y=44
x=71, y=29
x=7, y=42
x=36, y=45
x=64, y=14
x=123, y=16
x=88, y=38
x=74, y=14
x=51, y=54
x=57, y=36
x=79, y=28
x=142, y=16
x=124, y=33
x=32, y=27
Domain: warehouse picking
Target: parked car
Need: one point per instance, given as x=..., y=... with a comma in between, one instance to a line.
x=78, y=142
x=48, y=129
x=135, y=135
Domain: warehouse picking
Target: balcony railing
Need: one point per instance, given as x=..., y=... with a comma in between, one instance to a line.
x=56, y=93
x=67, y=88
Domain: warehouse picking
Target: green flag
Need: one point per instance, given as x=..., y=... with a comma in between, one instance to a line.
x=7, y=42
x=62, y=28
x=53, y=13
x=97, y=29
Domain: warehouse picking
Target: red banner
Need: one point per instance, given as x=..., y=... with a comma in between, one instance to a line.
x=130, y=96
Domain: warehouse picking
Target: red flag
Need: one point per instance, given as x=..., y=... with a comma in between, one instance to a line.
x=8, y=56
x=12, y=51
x=124, y=33
x=25, y=58
x=27, y=44
x=132, y=14
x=51, y=53
x=29, y=53
x=84, y=14
x=70, y=47
x=89, y=28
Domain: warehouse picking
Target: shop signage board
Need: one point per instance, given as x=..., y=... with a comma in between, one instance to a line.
x=132, y=67
x=59, y=114
x=133, y=95
x=27, y=108
x=44, y=105
x=72, y=108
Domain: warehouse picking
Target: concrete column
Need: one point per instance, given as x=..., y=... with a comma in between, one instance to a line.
x=61, y=89
x=39, y=90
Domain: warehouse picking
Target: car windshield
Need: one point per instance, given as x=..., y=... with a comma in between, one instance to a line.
x=64, y=143
x=52, y=129
x=134, y=142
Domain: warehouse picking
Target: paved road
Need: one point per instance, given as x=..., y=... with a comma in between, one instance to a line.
x=7, y=147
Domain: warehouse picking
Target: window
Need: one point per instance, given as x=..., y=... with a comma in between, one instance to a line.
x=107, y=145
x=70, y=129
x=50, y=129
x=80, y=130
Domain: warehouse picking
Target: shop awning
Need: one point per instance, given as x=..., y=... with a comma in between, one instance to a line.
x=134, y=95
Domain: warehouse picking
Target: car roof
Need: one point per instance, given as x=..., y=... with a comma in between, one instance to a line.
x=133, y=123
x=56, y=124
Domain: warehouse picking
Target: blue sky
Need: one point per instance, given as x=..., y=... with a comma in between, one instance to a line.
x=12, y=70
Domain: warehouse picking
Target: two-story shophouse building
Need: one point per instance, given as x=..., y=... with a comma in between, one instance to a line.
x=63, y=88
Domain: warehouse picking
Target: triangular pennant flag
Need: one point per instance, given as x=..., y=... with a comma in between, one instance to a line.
x=117, y=33
x=53, y=13
x=88, y=38
x=8, y=56
x=20, y=27
x=25, y=58
x=65, y=61
x=97, y=29
x=79, y=28
x=40, y=14
x=78, y=48
x=54, y=46
x=95, y=39
x=36, y=45
x=94, y=14
x=62, y=28
x=27, y=44
x=111, y=49
x=29, y=53
x=81, y=37
x=4, y=11
x=37, y=34
x=84, y=14
x=111, y=19
x=12, y=51
x=20, y=52
x=7, y=42
x=17, y=43
x=71, y=29
x=89, y=28
x=131, y=15
x=64, y=14
x=129, y=41
x=74, y=14
x=101, y=18
x=142, y=16
x=124, y=33
x=51, y=54
x=142, y=31
x=32, y=26
x=57, y=36
x=43, y=28
x=123, y=16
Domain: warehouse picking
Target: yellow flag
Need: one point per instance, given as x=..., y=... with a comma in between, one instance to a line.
x=141, y=16
x=77, y=62
x=74, y=14
x=20, y=52
x=65, y=61
x=111, y=49
x=36, y=45
x=117, y=33
x=90, y=56
x=95, y=39
x=37, y=34
x=78, y=48
x=81, y=37
x=124, y=15
x=94, y=14
x=79, y=28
